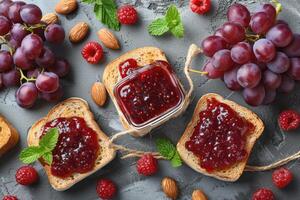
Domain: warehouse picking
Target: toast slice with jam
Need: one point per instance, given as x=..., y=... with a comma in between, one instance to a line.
x=72, y=108
x=9, y=136
x=194, y=155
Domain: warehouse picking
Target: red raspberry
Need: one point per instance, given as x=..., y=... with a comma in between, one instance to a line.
x=263, y=194
x=289, y=120
x=282, y=177
x=200, y=6
x=106, y=189
x=147, y=165
x=26, y=175
x=10, y=197
x=127, y=15
x=92, y=52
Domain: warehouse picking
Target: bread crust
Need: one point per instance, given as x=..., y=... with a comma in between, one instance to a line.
x=9, y=136
x=233, y=173
x=72, y=107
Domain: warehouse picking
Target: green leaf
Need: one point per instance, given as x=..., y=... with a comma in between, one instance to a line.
x=158, y=27
x=48, y=158
x=48, y=141
x=176, y=160
x=88, y=1
x=30, y=154
x=165, y=148
x=173, y=16
x=106, y=12
x=178, y=31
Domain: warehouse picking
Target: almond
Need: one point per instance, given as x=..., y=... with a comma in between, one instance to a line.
x=50, y=18
x=98, y=93
x=198, y=195
x=108, y=39
x=170, y=188
x=65, y=7
x=78, y=32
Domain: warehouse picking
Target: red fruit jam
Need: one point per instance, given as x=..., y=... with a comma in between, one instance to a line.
x=77, y=148
x=127, y=67
x=149, y=93
x=220, y=136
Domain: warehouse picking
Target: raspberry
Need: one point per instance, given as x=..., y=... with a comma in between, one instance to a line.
x=26, y=175
x=282, y=177
x=127, y=15
x=289, y=120
x=10, y=197
x=147, y=165
x=106, y=189
x=263, y=194
x=200, y=6
x=92, y=52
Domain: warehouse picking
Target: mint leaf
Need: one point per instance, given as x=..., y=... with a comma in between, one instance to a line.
x=48, y=157
x=173, y=16
x=158, y=27
x=165, y=148
x=176, y=160
x=48, y=141
x=178, y=31
x=88, y=1
x=31, y=154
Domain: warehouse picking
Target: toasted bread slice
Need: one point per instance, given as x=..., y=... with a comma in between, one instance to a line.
x=234, y=172
x=111, y=75
x=73, y=107
x=9, y=136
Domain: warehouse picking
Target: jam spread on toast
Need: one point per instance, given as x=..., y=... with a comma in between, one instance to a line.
x=77, y=148
x=219, y=138
x=127, y=67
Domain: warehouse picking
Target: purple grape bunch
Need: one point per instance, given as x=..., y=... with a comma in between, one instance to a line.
x=25, y=60
x=254, y=53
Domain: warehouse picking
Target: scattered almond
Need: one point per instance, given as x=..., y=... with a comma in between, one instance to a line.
x=198, y=195
x=108, y=39
x=170, y=188
x=65, y=7
x=98, y=93
x=78, y=32
x=50, y=18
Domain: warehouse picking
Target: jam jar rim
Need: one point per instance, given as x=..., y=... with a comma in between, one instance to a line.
x=168, y=113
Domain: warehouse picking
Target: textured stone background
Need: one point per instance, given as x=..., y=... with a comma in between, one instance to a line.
x=272, y=146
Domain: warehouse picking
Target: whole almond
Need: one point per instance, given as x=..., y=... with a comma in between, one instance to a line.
x=98, y=93
x=65, y=7
x=198, y=195
x=108, y=39
x=78, y=32
x=50, y=18
x=170, y=188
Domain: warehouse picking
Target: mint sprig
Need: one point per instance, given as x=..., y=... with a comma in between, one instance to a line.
x=170, y=23
x=106, y=12
x=168, y=150
x=44, y=150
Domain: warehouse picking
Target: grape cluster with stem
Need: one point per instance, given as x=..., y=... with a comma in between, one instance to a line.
x=25, y=60
x=255, y=53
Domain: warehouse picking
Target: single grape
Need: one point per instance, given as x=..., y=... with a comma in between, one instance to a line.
x=280, y=34
x=213, y=73
x=1, y=82
x=6, y=61
x=21, y=60
x=254, y=96
x=287, y=84
x=230, y=80
x=32, y=46
x=294, y=70
x=241, y=53
x=18, y=32
x=31, y=14
x=249, y=75
x=260, y=23
x=11, y=78
x=46, y=58
x=14, y=12
x=33, y=73
x=4, y=6
x=222, y=60
x=271, y=80
x=279, y=64
x=27, y=95
x=61, y=67
x=5, y=25
x=47, y=82
x=212, y=44
x=270, y=10
x=239, y=13
x=264, y=50
x=232, y=32
x=54, y=33
x=270, y=96
x=293, y=49
x=53, y=97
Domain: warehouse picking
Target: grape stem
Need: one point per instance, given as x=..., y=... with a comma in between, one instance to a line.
x=278, y=6
x=5, y=42
x=36, y=26
x=198, y=71
x=23, y=77
x=252, y=37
